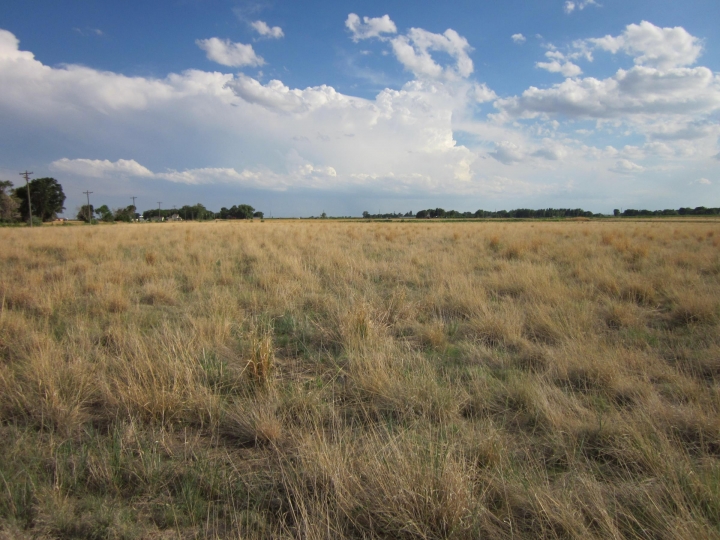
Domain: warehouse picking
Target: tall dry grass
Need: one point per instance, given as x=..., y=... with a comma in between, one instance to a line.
x=329, y=379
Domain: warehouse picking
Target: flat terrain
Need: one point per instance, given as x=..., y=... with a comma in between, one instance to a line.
x=365, y=380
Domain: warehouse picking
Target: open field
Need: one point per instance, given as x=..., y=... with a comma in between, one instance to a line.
x=395, y=380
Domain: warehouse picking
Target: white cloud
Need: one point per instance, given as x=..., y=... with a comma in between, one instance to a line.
x=227, y=53
x=413, y=52
x=559, y=64
x=551, y=150
x=369, y=27
x=276, y=96
x=567, y=69
x=572, y=5
x=300, y=174
x=262, y=28
x=704, y=181
x=649, y=45
x=638, y=91
x=10, y=48
x=413, y=49
x=96, y=168
x=627, y=167
x=507, y=152
x=682, y=130
x=482, y=93
x=518, y=38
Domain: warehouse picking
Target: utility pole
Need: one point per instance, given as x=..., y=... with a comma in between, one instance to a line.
x=88, y=205
x=159, y=216
x=27, y=174
x=133, y=198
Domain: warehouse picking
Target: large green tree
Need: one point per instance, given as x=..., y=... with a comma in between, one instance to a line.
x=8, y=203
x=243, y=211
x=46, y=199
x=126, y=214
x=86, y=213
x=104, y=213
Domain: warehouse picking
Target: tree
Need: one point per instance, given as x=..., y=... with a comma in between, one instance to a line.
x=104, y=213
x=366, y=214
x=258, y=214
x=616, y=212
x=46, y=198
x=8, y=203
x=244, y=211
x=196, y=212
x=126, y=214
x=86, y=213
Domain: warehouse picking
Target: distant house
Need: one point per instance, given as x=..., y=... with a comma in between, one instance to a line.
x=175, y=217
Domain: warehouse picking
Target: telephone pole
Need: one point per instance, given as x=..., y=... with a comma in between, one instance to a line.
x=27, y=174
x=159, y=216
x=88, y=205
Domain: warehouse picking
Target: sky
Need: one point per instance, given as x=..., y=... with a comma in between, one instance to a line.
x=299, y=108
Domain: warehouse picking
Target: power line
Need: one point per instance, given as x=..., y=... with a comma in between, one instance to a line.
x=88, y=205
x=27, y=174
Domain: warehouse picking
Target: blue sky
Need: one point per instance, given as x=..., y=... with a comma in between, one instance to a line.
x=299, y=108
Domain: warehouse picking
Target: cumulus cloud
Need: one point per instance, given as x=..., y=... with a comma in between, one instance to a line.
x=227, y=53
x=649, y=45
x=627, y=167
x=369, y=27
x=96, y=168
x=413, y=52
x=637, y=91
x=276, y=96
x=551, y=151
x=401, y=141
x=704, y=181
x=481, y=93
x=572, y=5
x=661, y=95
x=507, y=152
x=300, y=173
x=559, y=64
x=262, y=28
x=688, y=131
x=518, y=38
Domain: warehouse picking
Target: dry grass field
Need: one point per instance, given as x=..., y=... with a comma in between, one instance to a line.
x=363, y=380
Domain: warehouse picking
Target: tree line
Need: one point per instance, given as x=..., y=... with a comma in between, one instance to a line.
x=196, y=212
x=47, y=201
x=528, y=213
x=697, y=211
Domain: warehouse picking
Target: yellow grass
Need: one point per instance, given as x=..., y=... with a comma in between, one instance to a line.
x=329, y=379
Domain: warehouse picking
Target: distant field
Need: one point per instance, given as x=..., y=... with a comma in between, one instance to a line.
x=322, y=379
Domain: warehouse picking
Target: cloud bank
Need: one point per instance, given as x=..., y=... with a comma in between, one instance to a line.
x=443, y=132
